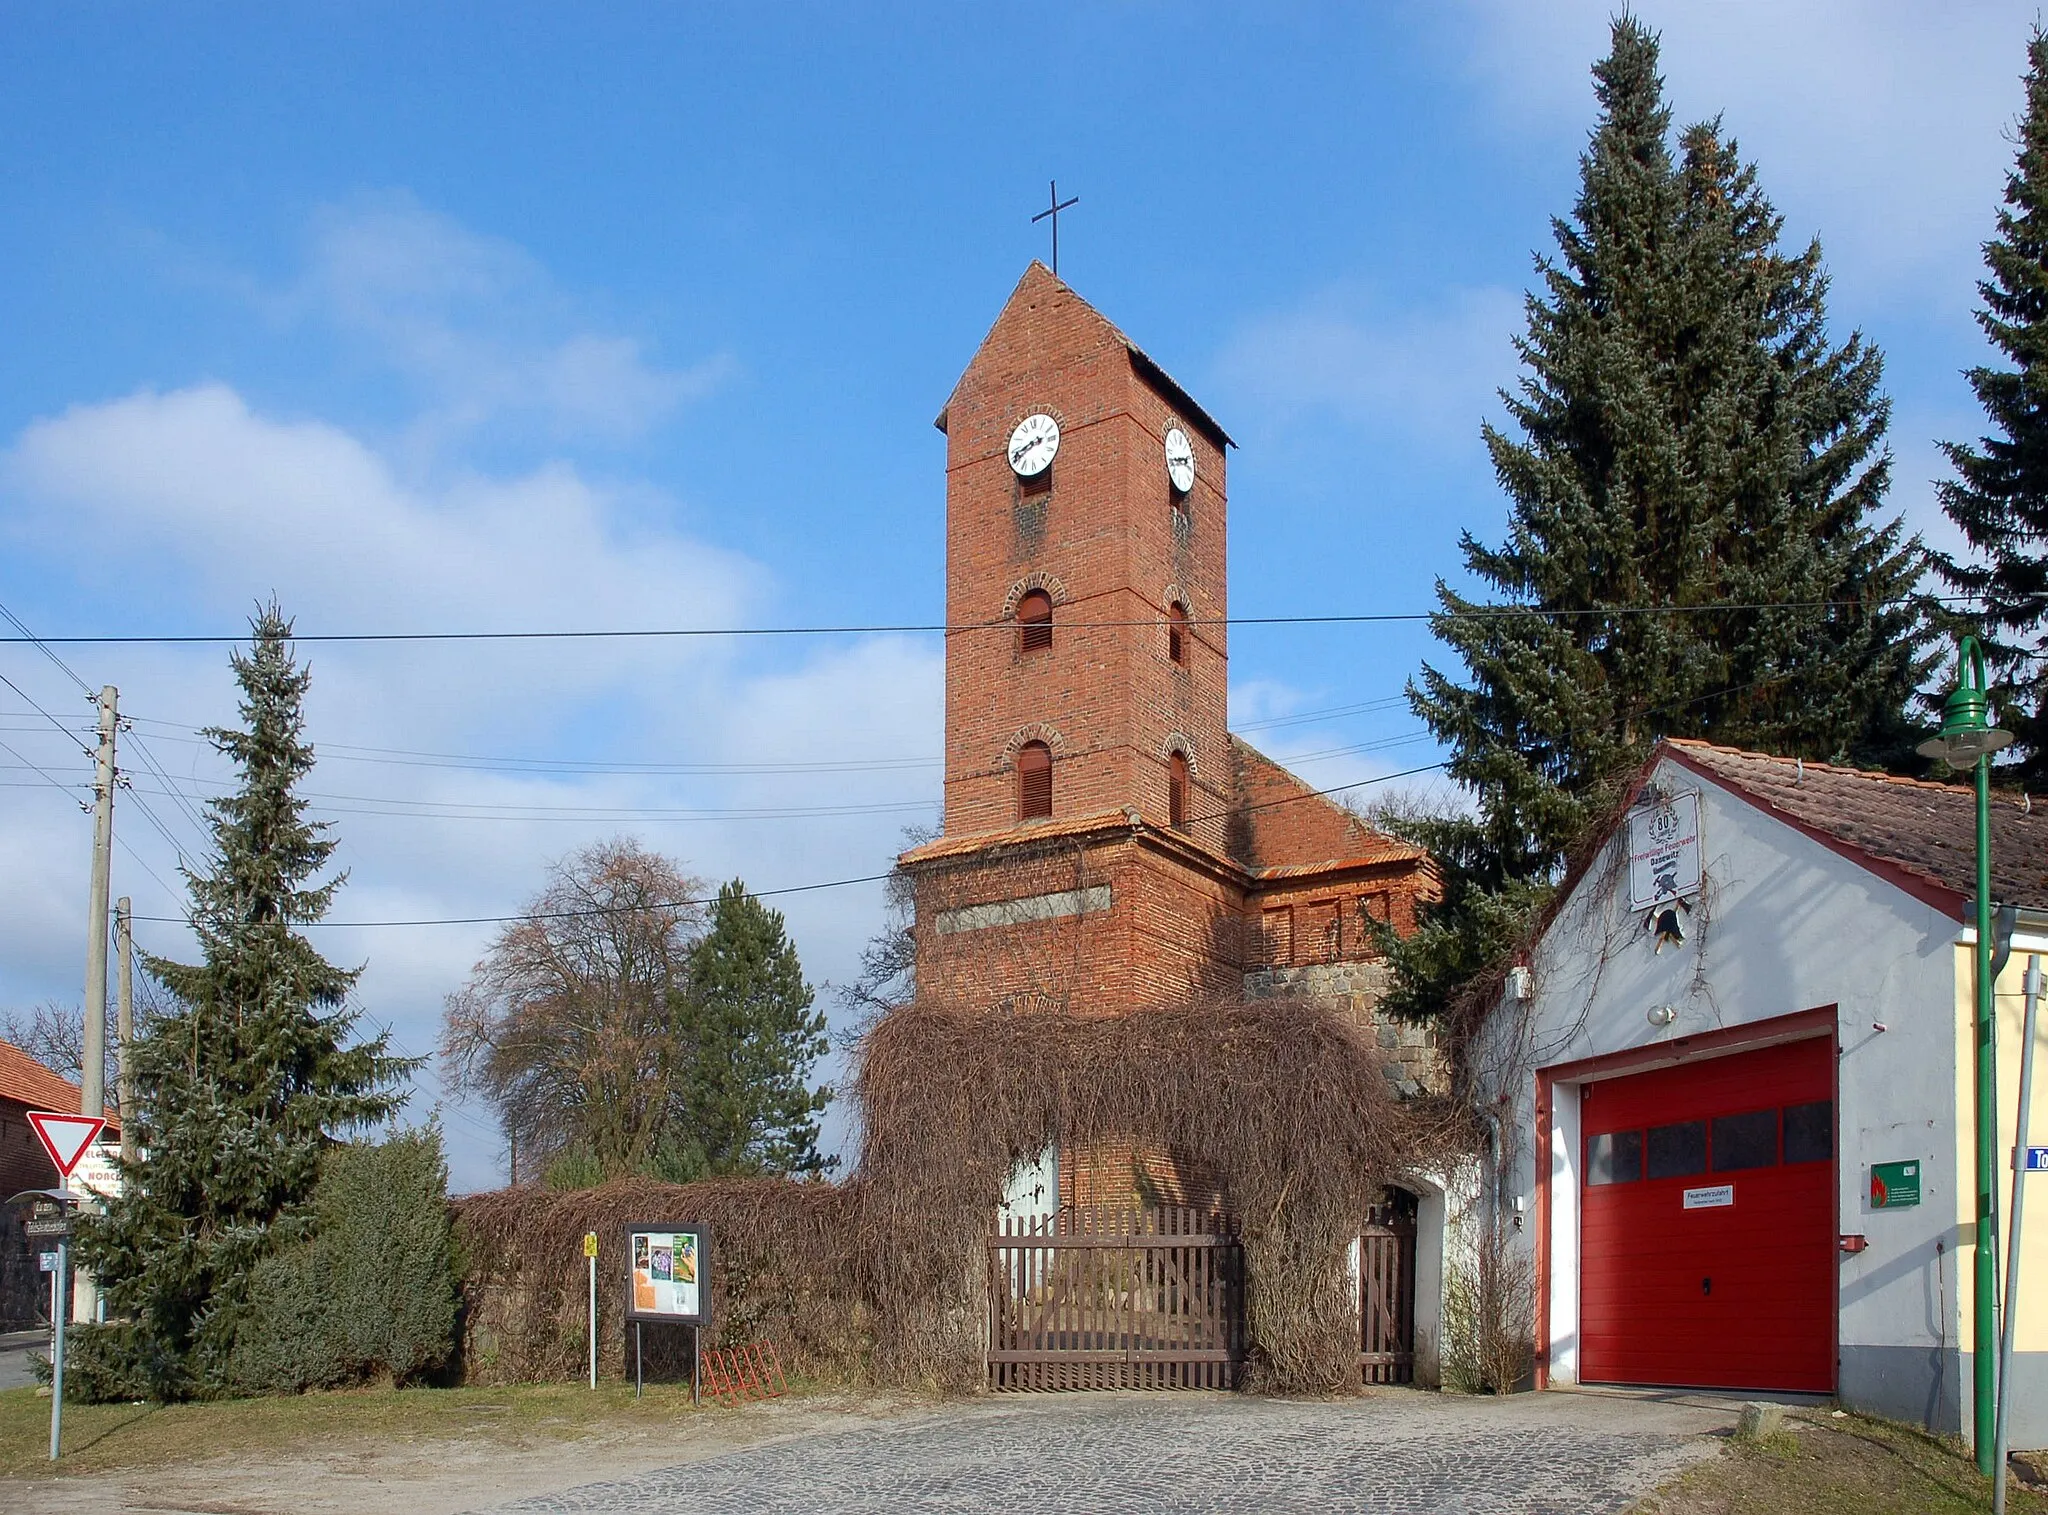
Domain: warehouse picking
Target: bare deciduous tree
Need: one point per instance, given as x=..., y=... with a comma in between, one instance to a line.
x=576, y=1023
x=888, y=963
x=54, y=1035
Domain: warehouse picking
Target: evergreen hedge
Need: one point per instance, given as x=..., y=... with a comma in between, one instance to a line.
x=372, y=1293
x=369, y=1295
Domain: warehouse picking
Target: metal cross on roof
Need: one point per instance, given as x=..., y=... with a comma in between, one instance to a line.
x=1053, y=211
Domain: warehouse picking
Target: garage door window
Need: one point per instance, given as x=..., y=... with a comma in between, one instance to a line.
x=1745, y=1141
x=1616, y=1158
x=1678, y=1151
x=1810, y=1132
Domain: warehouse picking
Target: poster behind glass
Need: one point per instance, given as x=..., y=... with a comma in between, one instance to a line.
x=668, y=1272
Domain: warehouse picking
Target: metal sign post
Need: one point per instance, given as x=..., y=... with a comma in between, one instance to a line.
x=49, y=1221
x=2023, y=1163
x=57, y=1345
x=590, y=1254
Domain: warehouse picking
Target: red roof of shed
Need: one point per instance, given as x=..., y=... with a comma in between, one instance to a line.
x=24, y=1081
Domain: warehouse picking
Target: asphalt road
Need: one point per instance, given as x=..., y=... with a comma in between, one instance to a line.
x=14, y=1351
x=1395, y=1452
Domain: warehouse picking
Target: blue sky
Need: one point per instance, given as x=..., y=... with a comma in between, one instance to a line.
x=503, y=317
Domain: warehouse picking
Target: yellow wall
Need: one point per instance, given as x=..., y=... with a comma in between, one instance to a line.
x=2009, y=1004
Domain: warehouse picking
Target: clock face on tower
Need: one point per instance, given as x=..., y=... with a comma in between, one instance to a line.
x=1180, y=460
x=1033, y=444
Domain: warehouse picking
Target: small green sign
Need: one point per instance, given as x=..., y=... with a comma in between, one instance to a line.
x=1894, y=1186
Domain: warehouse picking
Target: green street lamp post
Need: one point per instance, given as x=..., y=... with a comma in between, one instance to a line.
x=1967, y=740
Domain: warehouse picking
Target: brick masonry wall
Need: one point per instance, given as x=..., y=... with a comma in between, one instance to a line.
x=1106, y=696
x=1171, y=932
x=1287, y=823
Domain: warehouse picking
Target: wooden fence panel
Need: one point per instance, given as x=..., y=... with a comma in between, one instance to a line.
x=1108, y=1298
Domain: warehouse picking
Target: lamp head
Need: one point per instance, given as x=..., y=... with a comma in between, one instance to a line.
x=1966, y=730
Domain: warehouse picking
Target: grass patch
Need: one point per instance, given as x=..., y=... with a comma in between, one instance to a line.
x=102, y=1438
x=1822, y=1465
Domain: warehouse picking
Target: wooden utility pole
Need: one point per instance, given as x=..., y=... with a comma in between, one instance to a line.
x=92, y=1080
x=124, y=1021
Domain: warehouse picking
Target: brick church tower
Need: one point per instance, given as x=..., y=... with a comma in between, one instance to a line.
x=1107, y=843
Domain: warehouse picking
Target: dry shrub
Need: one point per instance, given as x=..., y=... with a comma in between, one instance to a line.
x=1284, y=1101
x=780, y=1270
x=1489, y=1311
x=886, y=1275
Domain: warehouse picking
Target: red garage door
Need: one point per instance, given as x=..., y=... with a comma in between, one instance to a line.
x=1708, y=1235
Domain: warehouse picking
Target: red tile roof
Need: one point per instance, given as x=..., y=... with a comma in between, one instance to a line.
x=1922, y=834
x=24, y=1081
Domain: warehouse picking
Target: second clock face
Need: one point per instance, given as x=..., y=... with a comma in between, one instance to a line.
x=1033, y=444
x=1180, y=460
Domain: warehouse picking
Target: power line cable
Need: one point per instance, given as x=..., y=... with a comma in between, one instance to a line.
x=149, y=761
x=474, y=762
x=69, y=791
x=69, y=672
x=362, y=804
x=842, y=883
x=66, y=730
x=1485, y=613
x=142, y=805
x=46, y=777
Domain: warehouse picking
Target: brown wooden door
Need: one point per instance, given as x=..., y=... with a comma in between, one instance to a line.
x=1386, y=1291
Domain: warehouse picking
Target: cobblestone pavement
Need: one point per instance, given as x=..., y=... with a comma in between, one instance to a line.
x=1396, y=1452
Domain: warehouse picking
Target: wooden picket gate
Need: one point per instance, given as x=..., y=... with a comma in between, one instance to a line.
x=1386, y=1291
x=1108, y=1298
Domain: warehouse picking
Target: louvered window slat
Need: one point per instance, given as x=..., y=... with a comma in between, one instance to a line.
x=1034, y=622
x=1034, y=781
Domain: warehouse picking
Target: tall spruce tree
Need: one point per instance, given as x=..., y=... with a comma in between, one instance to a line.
x=1999, y=497
x=1693, y=546
x=247, y=1077
x=745, y=1105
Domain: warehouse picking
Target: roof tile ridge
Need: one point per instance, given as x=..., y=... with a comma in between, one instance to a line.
x=1816, y=765
x=1395, y=852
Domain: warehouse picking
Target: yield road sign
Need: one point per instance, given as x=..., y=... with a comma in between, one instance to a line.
x=66, y=1138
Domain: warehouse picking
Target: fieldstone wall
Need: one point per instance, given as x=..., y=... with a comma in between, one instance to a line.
x=1414, y=1064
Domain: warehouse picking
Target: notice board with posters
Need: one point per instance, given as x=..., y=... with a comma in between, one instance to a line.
x=668, y=1272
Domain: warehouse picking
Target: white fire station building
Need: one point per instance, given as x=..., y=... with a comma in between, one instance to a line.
x=1734, y=1084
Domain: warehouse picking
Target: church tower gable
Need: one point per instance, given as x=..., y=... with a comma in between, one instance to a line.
x=1122, y=648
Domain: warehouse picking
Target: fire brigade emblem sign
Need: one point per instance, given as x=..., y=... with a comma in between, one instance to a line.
x=1664, y=864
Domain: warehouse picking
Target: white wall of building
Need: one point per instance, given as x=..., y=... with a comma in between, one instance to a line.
x=1783, y=924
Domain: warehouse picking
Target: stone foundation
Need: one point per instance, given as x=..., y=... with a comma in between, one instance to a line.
x=1414, y=1063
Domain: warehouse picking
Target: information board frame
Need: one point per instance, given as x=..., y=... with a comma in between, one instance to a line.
x=706, y=1254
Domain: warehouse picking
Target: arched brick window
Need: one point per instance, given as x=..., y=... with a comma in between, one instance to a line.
x=1177, y=632
x=1034, y=781
x=1034, y=622
x=1177, y=789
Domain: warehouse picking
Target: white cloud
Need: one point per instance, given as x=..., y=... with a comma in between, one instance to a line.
x=480, y=328
x=1882, y=127
x=236, y=504
x=213, y=504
